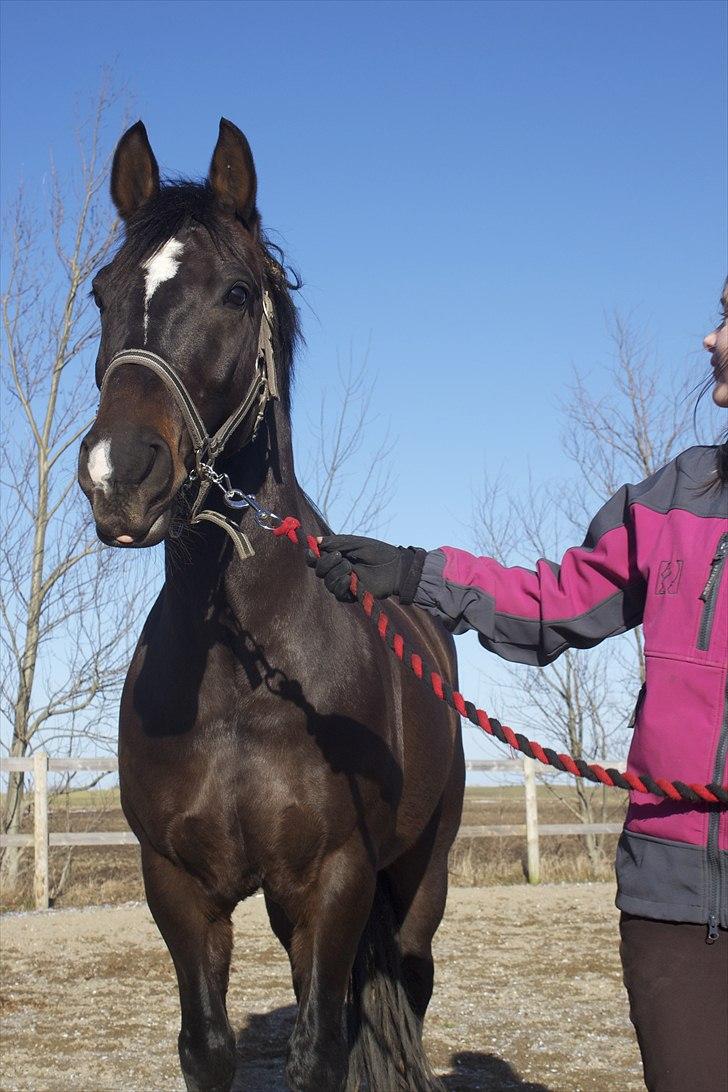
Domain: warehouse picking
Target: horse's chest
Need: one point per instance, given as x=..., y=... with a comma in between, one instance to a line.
x=186, y=811
x=235, y=772
x=230, y=809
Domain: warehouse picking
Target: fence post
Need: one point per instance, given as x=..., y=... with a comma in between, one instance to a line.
x=40, y=829
x=532, y=852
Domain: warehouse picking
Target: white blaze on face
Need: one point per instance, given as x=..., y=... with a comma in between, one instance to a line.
x=99, y=465
x=161, y=267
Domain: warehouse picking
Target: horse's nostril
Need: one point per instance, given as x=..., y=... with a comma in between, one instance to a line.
x=158, y=470
x=154, y=449
x=130, y=464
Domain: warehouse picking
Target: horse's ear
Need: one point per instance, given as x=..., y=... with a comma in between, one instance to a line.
x=134, y=172
x=232, y=174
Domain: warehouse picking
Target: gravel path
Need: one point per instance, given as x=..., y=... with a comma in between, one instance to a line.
x=528, y=996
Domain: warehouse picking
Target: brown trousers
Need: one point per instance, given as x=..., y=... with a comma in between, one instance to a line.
x=678, y=1003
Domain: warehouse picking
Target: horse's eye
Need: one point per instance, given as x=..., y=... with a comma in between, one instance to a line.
x=237, y=296
x=97, y=300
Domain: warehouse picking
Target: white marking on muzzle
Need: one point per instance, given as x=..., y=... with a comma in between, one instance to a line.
x=100, y=469
x=161, y=267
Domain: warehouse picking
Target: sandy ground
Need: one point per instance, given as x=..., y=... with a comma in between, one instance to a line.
x=528, y=996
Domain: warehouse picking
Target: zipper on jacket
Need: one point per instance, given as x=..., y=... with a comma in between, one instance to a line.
x=637, y=707
x=713, y=933
x=714, y=862
x=709, y=594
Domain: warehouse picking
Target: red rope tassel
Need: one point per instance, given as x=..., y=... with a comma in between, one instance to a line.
x=288, y=527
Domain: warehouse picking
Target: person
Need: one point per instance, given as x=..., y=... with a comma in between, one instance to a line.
x=656, y=554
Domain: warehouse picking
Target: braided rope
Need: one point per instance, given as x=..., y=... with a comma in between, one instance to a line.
x=671, y=790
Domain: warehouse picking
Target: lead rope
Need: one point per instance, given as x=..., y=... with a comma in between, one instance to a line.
x=672, y=790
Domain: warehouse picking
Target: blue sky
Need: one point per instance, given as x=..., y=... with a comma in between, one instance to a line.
x=469, y=188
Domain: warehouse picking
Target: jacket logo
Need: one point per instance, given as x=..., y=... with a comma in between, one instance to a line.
x=668, y=577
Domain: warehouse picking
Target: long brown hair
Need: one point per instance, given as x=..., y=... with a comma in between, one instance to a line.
x=721, y=461
x=719, y=477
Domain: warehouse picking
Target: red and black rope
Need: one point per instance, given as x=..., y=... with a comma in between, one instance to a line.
x=672, y=790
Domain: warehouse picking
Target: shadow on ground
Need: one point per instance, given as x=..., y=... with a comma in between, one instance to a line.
x=473, y=1072
x=263, y=1039
x=261, y=1048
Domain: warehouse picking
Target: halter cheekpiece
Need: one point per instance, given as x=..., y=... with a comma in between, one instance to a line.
x=207, y=449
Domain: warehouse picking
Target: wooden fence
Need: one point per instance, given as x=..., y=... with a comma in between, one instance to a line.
x=40, y=765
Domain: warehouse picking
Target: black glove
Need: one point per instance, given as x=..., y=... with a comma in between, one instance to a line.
x=383, y=569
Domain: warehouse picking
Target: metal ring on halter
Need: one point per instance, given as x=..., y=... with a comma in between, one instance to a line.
x=235, y=498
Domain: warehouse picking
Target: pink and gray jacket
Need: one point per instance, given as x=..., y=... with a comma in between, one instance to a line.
x=655, y=554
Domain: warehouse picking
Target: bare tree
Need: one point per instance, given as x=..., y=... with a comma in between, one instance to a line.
x=583, y=700
x=348, y=474
x=636, y=428
x=68, y=606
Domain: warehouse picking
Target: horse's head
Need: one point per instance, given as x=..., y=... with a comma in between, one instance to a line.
x=187, y=287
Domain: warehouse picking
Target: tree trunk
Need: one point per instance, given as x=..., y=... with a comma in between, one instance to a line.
x=12, y=817
x=592, y=842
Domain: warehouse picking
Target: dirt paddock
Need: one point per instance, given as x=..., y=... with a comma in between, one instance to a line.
x=528, y=996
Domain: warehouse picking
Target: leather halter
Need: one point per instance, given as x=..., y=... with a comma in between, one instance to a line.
x=248, y=416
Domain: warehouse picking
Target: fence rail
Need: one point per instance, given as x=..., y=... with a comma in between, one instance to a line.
x=40, y=765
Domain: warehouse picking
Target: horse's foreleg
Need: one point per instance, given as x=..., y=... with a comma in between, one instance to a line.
x=418, y=886
x=282, y=926
x=419, y=899
x=198, y=933
x=323, y=947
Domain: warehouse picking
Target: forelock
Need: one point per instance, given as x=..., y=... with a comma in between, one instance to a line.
x=179, y=207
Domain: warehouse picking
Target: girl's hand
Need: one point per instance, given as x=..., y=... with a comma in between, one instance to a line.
x=384, y=570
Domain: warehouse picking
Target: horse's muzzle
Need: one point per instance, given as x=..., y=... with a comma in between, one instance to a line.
x=128, y=476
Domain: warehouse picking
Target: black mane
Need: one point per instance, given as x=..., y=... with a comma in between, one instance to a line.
x=183, y=202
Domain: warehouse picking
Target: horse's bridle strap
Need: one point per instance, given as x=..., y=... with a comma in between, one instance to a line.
x=160, y=367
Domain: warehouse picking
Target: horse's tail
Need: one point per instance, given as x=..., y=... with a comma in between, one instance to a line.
x=385, y=1035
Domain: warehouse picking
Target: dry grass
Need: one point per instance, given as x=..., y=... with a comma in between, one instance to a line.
x=112, y=875
x=476, y=862
x=484, y=862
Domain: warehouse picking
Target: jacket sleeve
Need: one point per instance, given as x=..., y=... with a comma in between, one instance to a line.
x=532, y=617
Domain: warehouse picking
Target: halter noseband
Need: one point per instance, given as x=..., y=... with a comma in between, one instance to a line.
x=248, y=416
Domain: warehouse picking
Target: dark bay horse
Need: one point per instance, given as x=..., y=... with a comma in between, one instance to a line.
x=268, y=740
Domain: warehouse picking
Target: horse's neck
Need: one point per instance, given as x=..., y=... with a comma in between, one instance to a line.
x=204, y=572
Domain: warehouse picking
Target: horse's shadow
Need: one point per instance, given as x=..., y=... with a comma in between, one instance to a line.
x=261, y=1049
